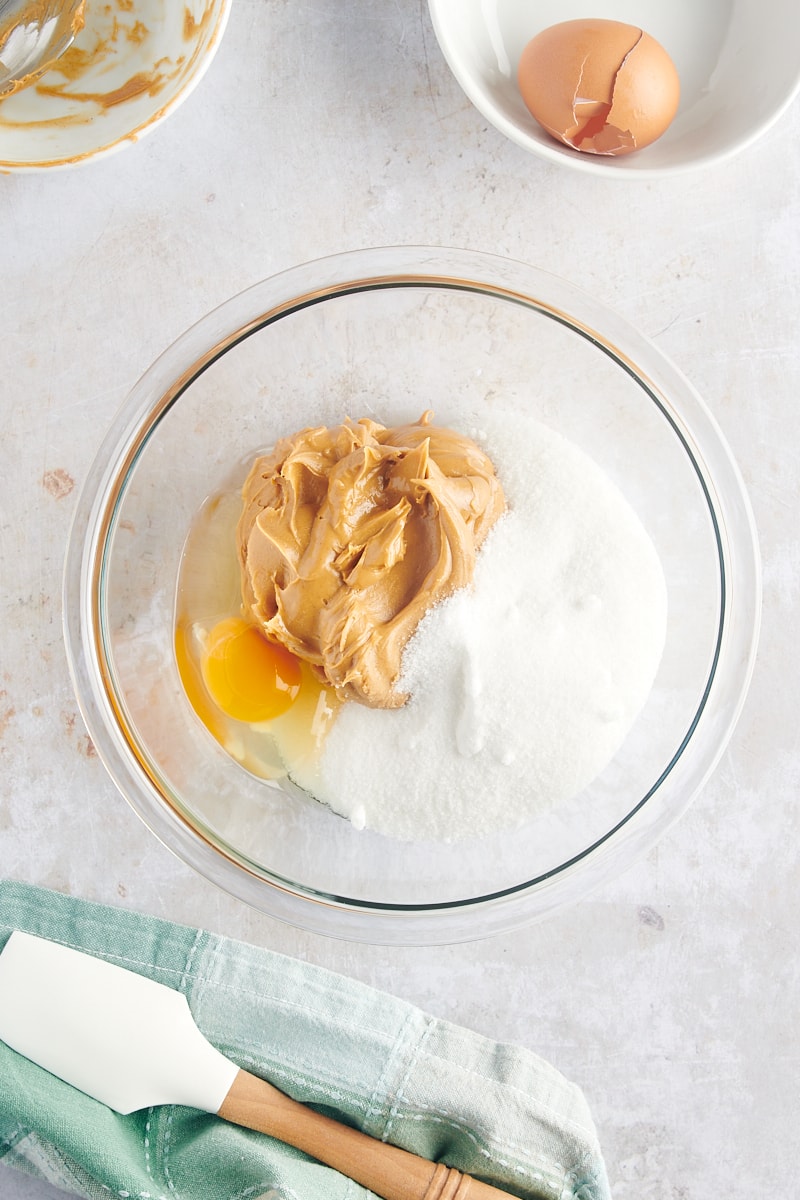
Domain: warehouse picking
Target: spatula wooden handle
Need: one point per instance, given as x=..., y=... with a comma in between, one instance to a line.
x=388, y=1171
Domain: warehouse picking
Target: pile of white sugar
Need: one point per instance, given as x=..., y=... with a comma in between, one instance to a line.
x=523, y=686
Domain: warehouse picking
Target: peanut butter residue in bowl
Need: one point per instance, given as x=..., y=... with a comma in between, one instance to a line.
x=348, y=535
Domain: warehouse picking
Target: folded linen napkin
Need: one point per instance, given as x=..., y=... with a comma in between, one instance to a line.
x=493, y=1110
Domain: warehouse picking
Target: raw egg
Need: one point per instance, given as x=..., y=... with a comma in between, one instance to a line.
x=249, y=678
x=264, y=706
x=599, y=86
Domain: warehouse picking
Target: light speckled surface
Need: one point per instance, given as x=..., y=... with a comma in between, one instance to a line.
x=670, y=995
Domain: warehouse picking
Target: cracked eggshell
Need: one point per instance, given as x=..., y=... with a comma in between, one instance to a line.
x=600, y=86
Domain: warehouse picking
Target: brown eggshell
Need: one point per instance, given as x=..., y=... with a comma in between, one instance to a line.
x=599, y=86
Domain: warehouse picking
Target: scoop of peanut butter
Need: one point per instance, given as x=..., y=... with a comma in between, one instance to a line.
x=349, y=534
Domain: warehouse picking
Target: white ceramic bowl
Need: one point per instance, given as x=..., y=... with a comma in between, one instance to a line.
x=385, y=331
x=127, y=70
x=738, y=62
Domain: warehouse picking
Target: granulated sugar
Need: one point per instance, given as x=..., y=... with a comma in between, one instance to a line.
x=523, y=686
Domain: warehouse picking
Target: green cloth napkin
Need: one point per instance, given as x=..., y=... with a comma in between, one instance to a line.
x=493, y=1110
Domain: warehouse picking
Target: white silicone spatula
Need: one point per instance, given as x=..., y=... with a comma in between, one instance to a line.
x=132, y=1043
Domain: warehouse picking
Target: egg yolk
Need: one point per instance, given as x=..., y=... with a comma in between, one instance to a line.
x=191, y=678
x=247, y=676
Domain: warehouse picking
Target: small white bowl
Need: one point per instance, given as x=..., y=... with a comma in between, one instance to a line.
x=126, y=71
x=738, y=62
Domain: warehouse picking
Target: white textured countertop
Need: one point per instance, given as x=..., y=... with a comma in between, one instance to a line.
x=669, y=996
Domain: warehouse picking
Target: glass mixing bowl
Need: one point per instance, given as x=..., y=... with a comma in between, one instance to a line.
x=391, y=332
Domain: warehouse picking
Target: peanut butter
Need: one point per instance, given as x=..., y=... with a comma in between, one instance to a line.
x=349, y=534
